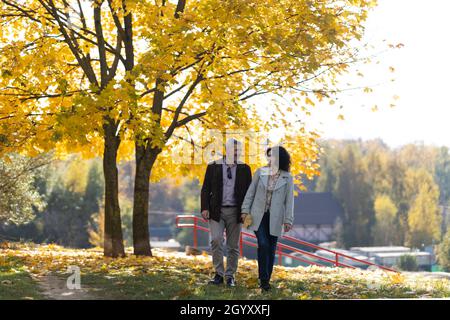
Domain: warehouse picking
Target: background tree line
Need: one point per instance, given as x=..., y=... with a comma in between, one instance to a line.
x=49, y=201
x=390, y=196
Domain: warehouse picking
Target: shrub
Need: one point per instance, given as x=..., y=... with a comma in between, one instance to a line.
x=408, y=263
x=443, y=252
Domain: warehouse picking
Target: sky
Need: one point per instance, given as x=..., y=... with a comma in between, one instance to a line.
x=422, y=68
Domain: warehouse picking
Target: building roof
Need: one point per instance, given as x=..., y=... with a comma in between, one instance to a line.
x=399, y=254
x=316, y=208
x=381, y=249
x=326, y=253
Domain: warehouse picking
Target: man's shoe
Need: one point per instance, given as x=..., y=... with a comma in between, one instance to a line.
x=231, y=282
x=218, y=279
x=265, y=285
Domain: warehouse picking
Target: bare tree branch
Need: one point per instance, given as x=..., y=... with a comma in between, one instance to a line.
x=82, y=61
x=192, y=117
x=101, y=44
x=174, y=123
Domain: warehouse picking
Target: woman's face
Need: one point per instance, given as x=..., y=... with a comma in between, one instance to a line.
x=272, y=159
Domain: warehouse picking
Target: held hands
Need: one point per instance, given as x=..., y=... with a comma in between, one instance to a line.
x=205, y=214
x=287, y=227
x=247, y=220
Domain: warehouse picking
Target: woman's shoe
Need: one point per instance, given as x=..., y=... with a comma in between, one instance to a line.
x=265, y=285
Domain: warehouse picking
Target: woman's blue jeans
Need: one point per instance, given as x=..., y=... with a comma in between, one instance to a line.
x=267, y=245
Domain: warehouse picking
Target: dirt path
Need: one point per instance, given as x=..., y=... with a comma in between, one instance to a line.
x=54, y=287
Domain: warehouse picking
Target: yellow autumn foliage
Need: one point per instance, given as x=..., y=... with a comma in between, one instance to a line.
x=67, y=68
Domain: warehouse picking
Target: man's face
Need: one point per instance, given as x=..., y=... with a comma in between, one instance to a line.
x=233, y=153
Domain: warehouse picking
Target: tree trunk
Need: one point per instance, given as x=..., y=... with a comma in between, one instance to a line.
x=145, y=158
x=113, y=240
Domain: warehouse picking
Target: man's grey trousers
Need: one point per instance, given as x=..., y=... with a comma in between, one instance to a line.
x=228, y=222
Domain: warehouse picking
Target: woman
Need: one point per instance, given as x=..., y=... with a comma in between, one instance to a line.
x=270, y=202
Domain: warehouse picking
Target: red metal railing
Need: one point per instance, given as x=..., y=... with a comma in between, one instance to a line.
x=280, y=246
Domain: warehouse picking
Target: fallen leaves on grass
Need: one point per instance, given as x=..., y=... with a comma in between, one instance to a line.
x=311, y=282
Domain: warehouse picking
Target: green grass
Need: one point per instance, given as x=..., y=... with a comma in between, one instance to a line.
x=164, y=287
x=16, y=283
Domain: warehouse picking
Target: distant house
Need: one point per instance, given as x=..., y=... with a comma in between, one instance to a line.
x=373, y=251
x=316, y=215
x=424, y=259
x=390, y=255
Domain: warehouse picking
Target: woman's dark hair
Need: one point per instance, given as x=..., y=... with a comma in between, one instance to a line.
x=284, y=159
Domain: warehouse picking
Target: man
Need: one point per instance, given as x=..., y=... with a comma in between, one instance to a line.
x=223, y=191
